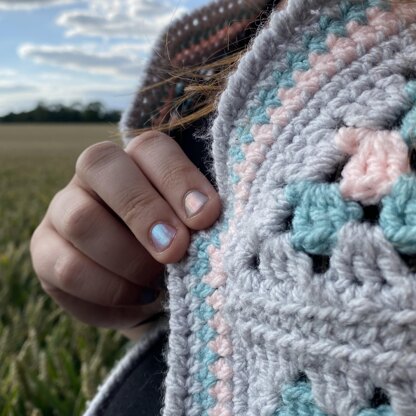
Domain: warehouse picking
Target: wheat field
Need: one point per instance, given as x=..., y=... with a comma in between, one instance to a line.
x=49, y=363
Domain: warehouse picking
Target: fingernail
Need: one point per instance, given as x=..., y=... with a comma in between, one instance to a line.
x=194, y=202
x=148, y=296
x=162, y=236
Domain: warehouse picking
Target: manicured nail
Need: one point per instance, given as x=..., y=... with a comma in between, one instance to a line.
x=194, y=202
x=162, y=236
x=148, y=296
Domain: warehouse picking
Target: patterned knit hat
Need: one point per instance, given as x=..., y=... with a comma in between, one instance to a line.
x=191, y=41
x=301, y=299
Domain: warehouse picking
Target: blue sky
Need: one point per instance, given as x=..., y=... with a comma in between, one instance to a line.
x=78, y=50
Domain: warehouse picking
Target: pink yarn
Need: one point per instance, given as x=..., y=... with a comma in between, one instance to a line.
x=220, y=411
x=223, y=372
x=262, y=132
x=342, y=51
x=348, y=139
x=386, y=22
x=222, y=369
x=248, y=167
x=407, y=12
x=219, y=324
x=321, y=63
x=221, y=345
x=365, y=35
x=222, y=391
x=344, y=48
x=216, y=277
x=378, y=159
x=216, y=300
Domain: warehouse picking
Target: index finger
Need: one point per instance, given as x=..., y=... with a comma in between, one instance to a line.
x=111, y=173
x=176, y=178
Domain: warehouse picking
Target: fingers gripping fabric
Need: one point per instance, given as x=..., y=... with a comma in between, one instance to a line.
x=301, y=299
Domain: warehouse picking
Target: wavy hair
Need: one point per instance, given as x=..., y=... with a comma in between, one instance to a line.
x=204, y=85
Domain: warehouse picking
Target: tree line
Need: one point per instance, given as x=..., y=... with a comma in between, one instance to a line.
x=94, y=112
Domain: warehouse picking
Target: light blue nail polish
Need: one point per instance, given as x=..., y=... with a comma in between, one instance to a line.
x=162, y=236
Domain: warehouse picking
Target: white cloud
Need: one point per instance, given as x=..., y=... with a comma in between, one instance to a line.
x=107, y=71
x=122, y=60
x=31, y=4
x=7, y=73
x=55, y=87
x=16, y=88
x=120, y=18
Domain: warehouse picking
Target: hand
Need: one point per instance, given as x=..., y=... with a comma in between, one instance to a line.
x=100, y=250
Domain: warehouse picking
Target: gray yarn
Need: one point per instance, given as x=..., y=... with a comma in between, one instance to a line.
x=258, y=312
x=254, y=66
x=350, y=329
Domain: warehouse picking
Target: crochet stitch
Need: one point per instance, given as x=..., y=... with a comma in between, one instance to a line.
x=301, y=299
x=249, y=313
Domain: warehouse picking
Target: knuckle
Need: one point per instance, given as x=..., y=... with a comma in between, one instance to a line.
x=117, y=296
x=136, y=204
x=96, y=156
x=34, y=256
x=144, y=141
x=67, y=270
x=34, y=238
x=48, y=288
x=173, y=176
x=56, y=200
x=136, y=269
x=132, y=269
x=39, y=253
x=78, y=219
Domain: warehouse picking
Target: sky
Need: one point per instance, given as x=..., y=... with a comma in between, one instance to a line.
x=66, y=51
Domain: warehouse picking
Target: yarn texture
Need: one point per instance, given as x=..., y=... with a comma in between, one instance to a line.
x=300, y=300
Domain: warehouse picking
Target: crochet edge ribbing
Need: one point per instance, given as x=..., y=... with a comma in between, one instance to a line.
x=230, y=104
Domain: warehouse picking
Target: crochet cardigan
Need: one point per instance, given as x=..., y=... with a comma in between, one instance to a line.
x=301, y=299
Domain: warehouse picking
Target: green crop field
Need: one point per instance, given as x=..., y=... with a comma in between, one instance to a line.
x=49, y=363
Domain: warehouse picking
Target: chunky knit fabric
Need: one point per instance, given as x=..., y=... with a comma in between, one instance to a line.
x=301, y=299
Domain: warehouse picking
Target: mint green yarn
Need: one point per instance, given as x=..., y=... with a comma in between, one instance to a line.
x=297, y=400
x=381, y=4
x=408, y=129
x=398, y=215
x=298, y=60
x=410, y=89
x=236, y=153
x=235, y=178
x=319, y=213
